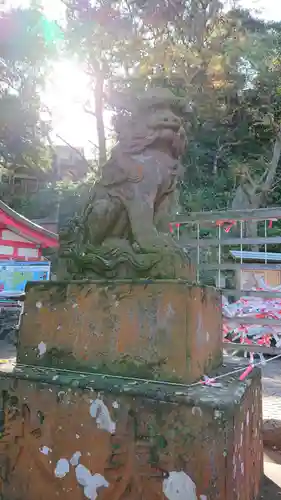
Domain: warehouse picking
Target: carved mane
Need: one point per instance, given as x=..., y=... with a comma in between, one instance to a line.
x=153, y=114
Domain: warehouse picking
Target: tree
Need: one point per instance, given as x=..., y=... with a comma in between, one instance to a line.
x=196, y=49
x=227, y=64
x=24, y=53
x=68, y=196
x=229, y=68
x=102, y=35
x=263, y=100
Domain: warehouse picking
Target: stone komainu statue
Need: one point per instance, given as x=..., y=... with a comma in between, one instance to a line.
x=123, y=231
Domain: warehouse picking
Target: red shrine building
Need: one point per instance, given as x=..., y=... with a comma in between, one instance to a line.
x=21, y=239
x=21, y=246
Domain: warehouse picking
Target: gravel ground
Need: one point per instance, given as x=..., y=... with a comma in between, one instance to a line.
x=271, y=381
x=269, y=490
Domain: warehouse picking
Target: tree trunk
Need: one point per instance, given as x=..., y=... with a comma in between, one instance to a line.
x=247, y=198
x=253, y=194
x=99, y=109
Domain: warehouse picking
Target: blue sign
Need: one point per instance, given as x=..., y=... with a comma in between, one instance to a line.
x=14, y=275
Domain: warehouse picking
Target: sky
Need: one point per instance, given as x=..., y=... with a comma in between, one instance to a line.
x=268, y=9
x=67, y=86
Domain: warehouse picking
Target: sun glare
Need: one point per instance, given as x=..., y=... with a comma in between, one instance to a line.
x=67, y=88
x=65, y=96
x=66, y=92
x=53, y=9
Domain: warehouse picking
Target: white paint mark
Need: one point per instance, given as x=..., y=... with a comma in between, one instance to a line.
x=45, y=450
x=75, y=458
x=196, y=410
x=62, y=468
x=42, y=348
x=39, y=305
x=242, y=468
x=217, y=414
x=207, y=336
x=77, y=436
x=90, y=482
x=99, y=411
x=170, y=312
x=203, y=497
x=248, y=418
x=74, y=306
x=179, y=486
x=115, y=405
x=97, y=481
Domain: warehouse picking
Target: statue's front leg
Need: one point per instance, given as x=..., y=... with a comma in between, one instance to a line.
x=145, y=234
x=163, y=217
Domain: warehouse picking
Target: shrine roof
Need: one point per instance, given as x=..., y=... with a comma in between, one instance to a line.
x=26, y=228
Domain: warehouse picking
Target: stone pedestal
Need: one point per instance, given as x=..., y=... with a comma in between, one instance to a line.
x=157, y=330
x=137, y=440
x=104, y=404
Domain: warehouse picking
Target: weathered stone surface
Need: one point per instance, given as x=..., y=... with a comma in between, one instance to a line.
x=157, y=330
x=124, y=229
x=139, y=438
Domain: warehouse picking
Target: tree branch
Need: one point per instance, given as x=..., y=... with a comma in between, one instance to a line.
x=273, y=164
x=46, y=108
x=89, y=111
x=73, y=148
x=219, y=152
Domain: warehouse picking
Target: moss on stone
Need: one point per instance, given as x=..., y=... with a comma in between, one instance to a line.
x=126, y=366
x=225, y=398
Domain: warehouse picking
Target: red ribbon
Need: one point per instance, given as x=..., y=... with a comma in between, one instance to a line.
x=246, y=373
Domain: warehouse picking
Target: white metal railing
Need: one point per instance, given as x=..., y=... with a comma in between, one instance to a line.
x=221, y=225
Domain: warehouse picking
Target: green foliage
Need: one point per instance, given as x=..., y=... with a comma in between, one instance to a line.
x=24, y=54
x=228, y=67
x=59, y=201
x=227, y=64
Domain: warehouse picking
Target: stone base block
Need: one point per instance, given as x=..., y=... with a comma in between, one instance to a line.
x=69, y=435
x=158, y=330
